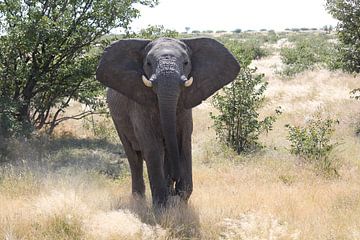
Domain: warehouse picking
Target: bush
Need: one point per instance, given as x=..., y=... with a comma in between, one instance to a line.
x=271, y=37
x=237, y=124
x=307, y=53
x=313, y=143
x=247, y=51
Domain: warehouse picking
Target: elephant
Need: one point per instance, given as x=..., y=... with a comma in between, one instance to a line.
x=152, y=88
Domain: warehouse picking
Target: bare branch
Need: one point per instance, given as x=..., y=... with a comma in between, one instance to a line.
x=78, y=116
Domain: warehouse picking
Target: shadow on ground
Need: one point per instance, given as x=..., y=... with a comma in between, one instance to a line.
x=54, y=154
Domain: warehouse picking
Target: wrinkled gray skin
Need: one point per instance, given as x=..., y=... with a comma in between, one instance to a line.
x=155, y=123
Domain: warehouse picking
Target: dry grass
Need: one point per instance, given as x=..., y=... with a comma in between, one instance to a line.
x=269, y=195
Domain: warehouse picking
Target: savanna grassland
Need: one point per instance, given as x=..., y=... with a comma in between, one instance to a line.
x=77, y=185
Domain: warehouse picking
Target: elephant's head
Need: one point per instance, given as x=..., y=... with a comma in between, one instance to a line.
x=170, y=73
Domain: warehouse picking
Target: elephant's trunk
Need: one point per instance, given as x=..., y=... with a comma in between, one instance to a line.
x=168, y=93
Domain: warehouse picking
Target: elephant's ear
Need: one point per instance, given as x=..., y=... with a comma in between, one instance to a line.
x=121, y=68
x=213, y=66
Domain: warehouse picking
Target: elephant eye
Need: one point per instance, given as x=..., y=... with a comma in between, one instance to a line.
x=148, y=63
x=186, y=63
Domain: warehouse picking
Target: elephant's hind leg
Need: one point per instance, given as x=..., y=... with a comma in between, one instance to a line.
x=136, y=167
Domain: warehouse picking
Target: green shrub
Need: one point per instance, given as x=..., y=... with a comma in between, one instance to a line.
x=271, y=37
x=307, y=53
x=313, y=143
x=237, y=124
x=249, y=49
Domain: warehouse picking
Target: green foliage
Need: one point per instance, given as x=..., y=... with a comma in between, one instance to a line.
x=348, y=29
x=237, y=124
x=157, y=31
x=271, y=37
x=313, y=143
x=307, y=52
x=47, y=59
x=9, y=126
x=247, y=50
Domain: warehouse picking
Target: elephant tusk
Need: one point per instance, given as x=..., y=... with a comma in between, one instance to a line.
x=146, y=81
x=189, y=82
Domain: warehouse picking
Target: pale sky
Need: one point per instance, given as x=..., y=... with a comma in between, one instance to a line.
x=232, y=14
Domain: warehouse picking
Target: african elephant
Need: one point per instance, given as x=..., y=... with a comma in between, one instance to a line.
x=153, y=85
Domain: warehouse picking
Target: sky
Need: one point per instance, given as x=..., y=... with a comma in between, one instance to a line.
x=233, y=14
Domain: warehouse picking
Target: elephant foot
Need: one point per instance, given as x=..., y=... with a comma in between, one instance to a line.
x=183, y=190
x=160, y=199
x=138, y=195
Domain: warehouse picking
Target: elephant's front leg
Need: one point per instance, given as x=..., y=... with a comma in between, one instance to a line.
x=169, y=181
x=184, y=186
x=158, y=184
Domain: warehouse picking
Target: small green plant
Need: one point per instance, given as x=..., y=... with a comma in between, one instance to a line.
x=313, y=143
x=237, y=124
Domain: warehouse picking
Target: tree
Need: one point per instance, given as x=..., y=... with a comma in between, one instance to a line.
x=47, y=56
x=238, y=30
x=348, y=14
x=156, y=31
